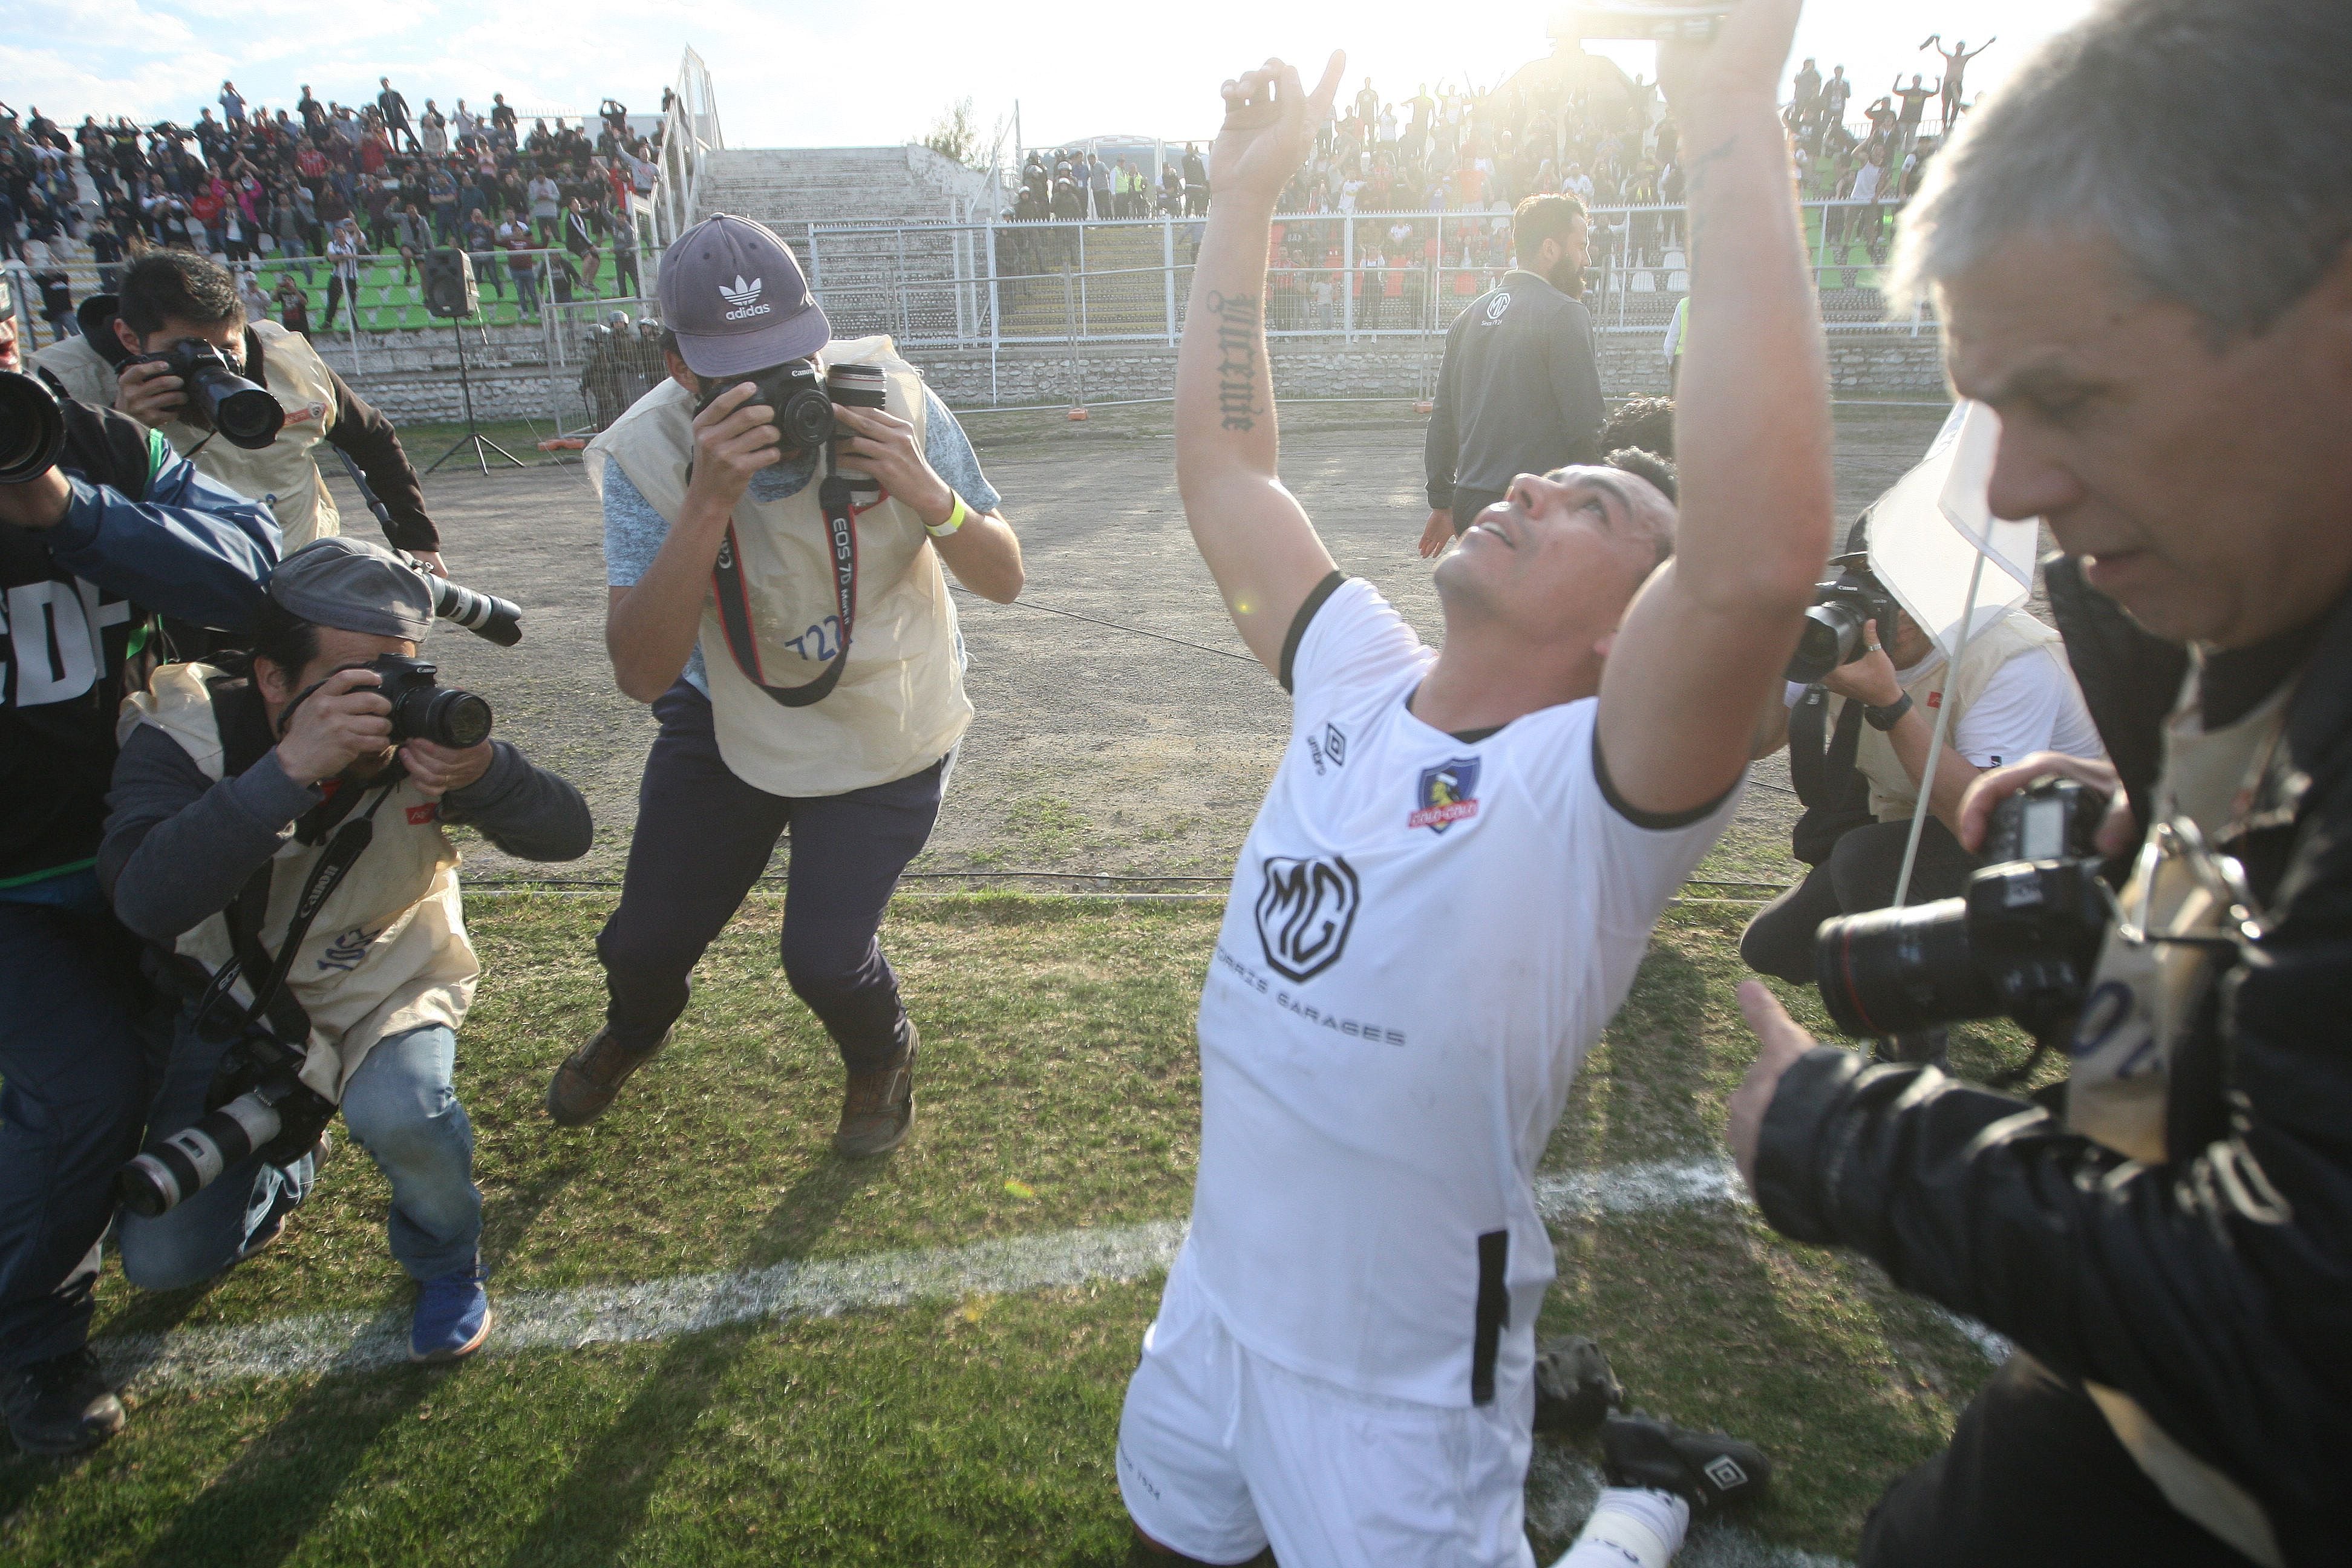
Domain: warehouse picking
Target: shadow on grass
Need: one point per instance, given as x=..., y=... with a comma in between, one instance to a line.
x=600, y=1504
x=256, y=1512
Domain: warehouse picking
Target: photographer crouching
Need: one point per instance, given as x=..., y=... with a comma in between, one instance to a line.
x=175, y=352
x=103, y=529
x=776, y=518
x=1859, y=718
x=280, y=838
x=2160, y=306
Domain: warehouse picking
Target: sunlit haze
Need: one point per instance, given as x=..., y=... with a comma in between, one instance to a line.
x=802, y=75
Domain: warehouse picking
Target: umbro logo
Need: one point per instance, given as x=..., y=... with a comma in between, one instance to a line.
x=745, y=298
x=1725, y=1472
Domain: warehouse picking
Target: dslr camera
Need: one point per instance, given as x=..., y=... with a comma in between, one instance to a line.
x=1834, y=626
x=247, y=415
x=2020, y=943
x=422, y=710
x=803, y=400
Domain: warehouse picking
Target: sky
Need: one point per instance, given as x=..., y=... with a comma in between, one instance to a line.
x=791, y=74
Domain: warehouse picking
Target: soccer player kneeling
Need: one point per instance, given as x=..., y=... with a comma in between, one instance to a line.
x=1449, y=888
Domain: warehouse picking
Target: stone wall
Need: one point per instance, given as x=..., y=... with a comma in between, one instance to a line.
x=416, y=379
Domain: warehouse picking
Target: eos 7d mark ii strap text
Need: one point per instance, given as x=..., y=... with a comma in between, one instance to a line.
x=835, y=494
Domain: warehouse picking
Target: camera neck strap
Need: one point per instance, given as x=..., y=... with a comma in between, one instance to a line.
x=246, y=737
x=1821, y=771
x=837, y=495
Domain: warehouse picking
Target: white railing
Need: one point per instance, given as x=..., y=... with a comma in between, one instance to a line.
x=688, y=135
x=1349, y=276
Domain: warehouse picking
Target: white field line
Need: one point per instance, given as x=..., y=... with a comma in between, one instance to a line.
x=660, y=1308
x=350, y=1342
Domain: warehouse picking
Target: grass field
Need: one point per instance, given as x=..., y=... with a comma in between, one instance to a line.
x=1059, y=1093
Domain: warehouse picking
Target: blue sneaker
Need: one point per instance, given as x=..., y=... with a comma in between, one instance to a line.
x=453, y=1316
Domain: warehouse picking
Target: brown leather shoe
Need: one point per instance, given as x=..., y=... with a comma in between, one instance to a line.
x=590, y=1076
x=878, y=1108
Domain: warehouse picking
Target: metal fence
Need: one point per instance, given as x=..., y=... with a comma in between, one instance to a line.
x=1346, y=276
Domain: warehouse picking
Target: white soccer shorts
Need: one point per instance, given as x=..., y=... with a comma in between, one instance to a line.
x=1221, y=1453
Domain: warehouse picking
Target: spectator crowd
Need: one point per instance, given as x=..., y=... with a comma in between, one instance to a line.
x=1572, y=125
x=328, y=186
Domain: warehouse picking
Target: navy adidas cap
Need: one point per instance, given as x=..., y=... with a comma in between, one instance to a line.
x=731, y=291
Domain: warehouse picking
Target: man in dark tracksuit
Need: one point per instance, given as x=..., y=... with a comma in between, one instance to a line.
x=1519, y=393
x=90, y=552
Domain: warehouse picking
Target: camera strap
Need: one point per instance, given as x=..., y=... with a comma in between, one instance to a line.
x=245, y=738
x=837, y=495
x=1822, y=773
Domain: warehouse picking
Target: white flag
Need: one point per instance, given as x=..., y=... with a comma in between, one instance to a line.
x=1929, y=529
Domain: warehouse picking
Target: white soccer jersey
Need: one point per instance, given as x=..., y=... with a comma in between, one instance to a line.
x=1424, y=937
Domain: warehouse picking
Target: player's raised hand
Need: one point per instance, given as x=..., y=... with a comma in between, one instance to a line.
x=1270, y=124
x=1745, y=58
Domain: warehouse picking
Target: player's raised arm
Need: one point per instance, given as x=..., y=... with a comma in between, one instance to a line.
x=1252, y=531
x=1707, y=639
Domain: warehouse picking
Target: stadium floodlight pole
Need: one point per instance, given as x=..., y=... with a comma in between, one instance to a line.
x=1935, y=742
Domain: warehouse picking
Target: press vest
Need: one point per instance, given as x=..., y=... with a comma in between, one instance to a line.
x=283, y=473
x=900, y=704
x=2143, y=1003
x=1892, y=796
x=387, y=951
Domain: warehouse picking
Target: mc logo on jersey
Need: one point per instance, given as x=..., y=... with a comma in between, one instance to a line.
x=1305, y=912
x=1446, y=794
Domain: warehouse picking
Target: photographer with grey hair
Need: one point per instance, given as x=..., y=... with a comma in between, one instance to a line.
x=2159, y=306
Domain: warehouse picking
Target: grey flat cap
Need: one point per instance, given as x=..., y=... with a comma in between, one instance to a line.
x=354, y=587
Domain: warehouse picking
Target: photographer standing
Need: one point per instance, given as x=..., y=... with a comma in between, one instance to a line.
x=1858, y=749
x=233, y=800
x=175, y=297
x=2159, y=306
x=1519, y=391
x=830, y=703
x=120, y=530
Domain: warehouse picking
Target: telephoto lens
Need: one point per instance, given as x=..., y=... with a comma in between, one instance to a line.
x=484, y=614
x=422, y=710
x=247, y=415
x=32, y=431
x=193, y=1158
x=2020, y=943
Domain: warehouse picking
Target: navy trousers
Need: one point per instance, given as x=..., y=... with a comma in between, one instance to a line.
x=704, y=837
x=82, y=1037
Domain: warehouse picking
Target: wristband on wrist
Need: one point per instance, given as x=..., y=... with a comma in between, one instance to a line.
x=1886, y=718
x=956, y=519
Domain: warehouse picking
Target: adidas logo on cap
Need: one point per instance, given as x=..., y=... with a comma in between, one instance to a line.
x=745, y=298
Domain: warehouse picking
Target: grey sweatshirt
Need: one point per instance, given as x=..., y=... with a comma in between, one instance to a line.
x=180, y=848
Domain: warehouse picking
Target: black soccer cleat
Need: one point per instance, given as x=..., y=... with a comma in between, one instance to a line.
x=1706, y=1470
x=1575, y=1390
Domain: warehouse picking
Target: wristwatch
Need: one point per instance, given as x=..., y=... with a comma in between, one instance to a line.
x=1886, y=718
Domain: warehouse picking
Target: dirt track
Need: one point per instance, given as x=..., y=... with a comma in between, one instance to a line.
x=1095, y=749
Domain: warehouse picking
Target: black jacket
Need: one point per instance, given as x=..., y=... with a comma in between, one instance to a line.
x=1518, y=392
x=2216, y=1289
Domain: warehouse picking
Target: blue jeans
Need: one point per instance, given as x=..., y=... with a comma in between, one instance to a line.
x=399, y=1106
x=81, y=1036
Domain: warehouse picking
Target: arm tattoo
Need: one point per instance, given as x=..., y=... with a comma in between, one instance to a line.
x=1237, y=352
